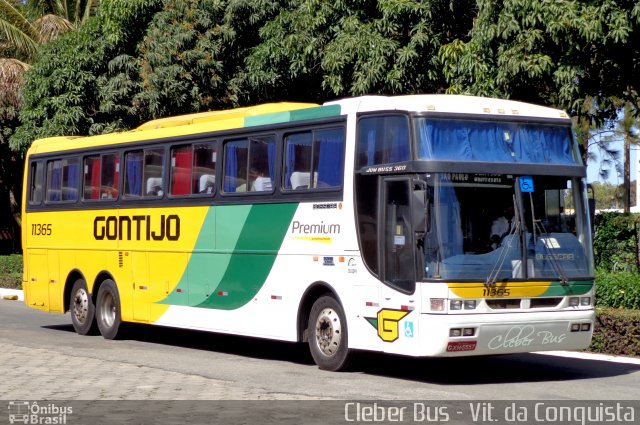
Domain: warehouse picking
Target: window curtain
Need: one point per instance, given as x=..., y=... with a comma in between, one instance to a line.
x=73, y=178
x=95, y=178
x=399, y=142
x=55, y=186
x=449, y=222
x=134, y=174
x=494, y=142
x=181, y=184
x=230, y=168
x=290, y=163
x=331, y=159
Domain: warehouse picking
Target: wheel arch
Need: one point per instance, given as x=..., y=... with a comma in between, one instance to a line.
x=313, y=293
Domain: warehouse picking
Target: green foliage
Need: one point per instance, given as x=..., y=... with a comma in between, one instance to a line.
x=618, y=289
x=84, y=82
x=318, y=49
x=183, y=59
x=609, y=196
x=579, y=56
x=11, y=271
x=615, y=241
x=616, y=332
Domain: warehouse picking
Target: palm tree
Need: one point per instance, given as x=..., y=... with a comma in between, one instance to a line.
x=21, y=36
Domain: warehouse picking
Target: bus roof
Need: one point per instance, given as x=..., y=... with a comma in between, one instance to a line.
x=268, y=113
x=448, y=103
x=272, y=113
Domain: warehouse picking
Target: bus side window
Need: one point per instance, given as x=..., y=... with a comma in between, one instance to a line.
x=236, y=154
x=328, y=157
x=261, y=163
x=382, y=140
x=35, y=188
x=154, y=172
x=62, y=179
x=298, y=161
x=133, y=174
x=110, y=176
x=204, y=168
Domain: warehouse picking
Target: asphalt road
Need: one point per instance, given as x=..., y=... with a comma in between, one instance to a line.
x=41, y=358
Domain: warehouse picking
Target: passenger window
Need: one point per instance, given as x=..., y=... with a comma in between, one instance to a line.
x=236, y=154
x=250, y=165
x=193, y=169
x=144, y=173
x=262, y=164
x=314, y=159
x=204, y=172
x=382, y=140
x=62, y=180
x=35, y=188
x=101, y=175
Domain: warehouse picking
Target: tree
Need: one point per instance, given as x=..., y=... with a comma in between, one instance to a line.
x=183, y=59
x=314, y=49
x=84, y=82
x=579, y=56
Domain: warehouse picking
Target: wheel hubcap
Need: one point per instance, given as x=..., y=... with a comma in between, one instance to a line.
x=108, y=310
x=81, y=305
x=328, y=332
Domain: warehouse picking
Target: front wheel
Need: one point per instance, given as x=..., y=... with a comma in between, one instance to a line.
x=82, y=309
x=328, y=335
x=108, y=310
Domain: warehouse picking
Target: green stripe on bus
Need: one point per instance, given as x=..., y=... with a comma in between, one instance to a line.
x=229, y=275
x=297, y=115
x=578, y=287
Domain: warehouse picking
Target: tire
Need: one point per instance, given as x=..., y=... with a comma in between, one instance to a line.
x=328, y=335
x=82, y=309
x=108, y=314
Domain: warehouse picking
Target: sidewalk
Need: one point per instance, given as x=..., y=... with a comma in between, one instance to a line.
x=11, y=294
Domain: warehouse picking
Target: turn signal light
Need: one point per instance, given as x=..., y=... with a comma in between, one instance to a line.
x=437, y=304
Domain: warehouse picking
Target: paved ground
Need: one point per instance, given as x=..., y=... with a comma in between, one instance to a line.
x=174, y=376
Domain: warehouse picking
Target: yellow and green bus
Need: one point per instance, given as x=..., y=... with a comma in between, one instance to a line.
x=423, y=225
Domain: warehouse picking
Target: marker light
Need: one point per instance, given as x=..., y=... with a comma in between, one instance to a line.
x=574, y=301
x=437, y=304
x=455, y=305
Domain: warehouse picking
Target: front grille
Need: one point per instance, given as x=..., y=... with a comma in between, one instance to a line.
x=505, y=304
x=545, y=302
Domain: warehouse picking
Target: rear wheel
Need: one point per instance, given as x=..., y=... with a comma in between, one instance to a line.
x=82, y=309
x=328, y=335
x=108, y=310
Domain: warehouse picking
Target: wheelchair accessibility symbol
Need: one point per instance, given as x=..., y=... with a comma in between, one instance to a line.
x=408, y=329
x=526, y=184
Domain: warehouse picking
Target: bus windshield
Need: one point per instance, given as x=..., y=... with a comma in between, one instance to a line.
x=487, y=226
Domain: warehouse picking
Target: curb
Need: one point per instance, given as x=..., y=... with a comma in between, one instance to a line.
x=11, y=294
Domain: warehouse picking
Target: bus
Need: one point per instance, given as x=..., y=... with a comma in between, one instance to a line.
x=364, y=223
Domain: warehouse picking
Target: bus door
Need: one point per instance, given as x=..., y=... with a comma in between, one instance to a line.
x=402, y=210
x=38, y=288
